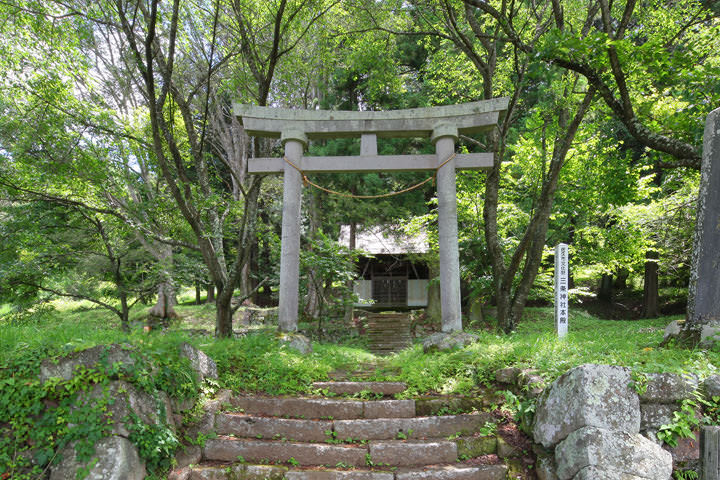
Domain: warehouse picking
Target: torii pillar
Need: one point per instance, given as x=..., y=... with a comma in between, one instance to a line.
x=442, y=124
x=444, y=137
x=294, y=142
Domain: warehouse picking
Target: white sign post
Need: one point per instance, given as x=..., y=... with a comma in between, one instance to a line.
x=561, y=289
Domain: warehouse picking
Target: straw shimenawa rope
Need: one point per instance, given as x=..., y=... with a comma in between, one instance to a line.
x=307, y=181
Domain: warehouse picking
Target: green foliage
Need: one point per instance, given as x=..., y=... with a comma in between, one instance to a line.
x=326, y=262
x=684, y=422
x=685, y=475
x=639, y=382
x=711, y=408
x=404, y=435
x=522, y=410
x=156, y=444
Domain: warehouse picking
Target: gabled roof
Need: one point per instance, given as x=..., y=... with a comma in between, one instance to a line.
x=385, y=240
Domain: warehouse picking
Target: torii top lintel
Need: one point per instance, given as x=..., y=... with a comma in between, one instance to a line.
x=415, y=122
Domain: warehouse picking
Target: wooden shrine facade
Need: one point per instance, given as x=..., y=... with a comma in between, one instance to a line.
x=441, y=124
x=393, y=270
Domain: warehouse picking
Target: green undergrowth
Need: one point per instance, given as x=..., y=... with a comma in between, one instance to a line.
x=260, y=363
x=535, y=345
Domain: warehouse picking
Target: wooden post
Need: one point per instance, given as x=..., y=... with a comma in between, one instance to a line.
x=444, y=138
x=561, y=290
x=290, y=245
x=710, y=451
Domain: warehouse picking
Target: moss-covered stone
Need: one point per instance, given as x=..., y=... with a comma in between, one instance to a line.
x=476, y=446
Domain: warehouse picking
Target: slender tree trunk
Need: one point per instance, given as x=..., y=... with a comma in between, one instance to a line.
x=226, y=289
x=223, y=313
x=511, y=295
x=247, y=285
x=650, y=289
x=210, y=294
x=125, y=310
x=198, y=300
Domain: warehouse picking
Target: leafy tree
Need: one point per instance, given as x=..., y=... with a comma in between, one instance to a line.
x=70, y=251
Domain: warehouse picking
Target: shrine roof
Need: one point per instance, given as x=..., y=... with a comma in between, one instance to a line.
x=385, y=240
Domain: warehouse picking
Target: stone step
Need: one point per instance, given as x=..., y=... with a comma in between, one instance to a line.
x=248, y=426
x=350, y=388
x=338, y=475
x=412, y=453
x=230, y=472
x=228, y=449
x=270, y=472
x=483, y=472
x=418, y=427
x=381, y=428
x=320, y=408
x=388, y=453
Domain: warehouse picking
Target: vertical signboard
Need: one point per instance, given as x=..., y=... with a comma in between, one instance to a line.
x=561, y=289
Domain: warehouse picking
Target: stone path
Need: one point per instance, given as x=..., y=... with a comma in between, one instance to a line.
x=389, y=333
x=338, y=439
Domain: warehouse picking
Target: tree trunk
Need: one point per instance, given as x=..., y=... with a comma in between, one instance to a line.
x=226, y=285
x=605, y=290
x=223, y=313
x=312, y=298
x=210, y=293
x=125, y=309
x=198, y=300
x=163, y=308
x=650, y=290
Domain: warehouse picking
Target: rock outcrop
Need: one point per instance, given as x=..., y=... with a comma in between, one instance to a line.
x=590, y=420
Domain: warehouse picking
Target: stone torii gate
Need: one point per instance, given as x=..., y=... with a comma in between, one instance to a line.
x=442, y=124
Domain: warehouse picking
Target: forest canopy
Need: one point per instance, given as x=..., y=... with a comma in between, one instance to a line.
x=123, y=171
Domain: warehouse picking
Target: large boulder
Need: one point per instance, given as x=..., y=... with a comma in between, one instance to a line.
x=106, y=354
x=611, y=451
x=712, y=386
x=588, y=395
x=448, y=341
x=545, y=469
x=124, y=399
x=655, y=415
x=297, y=342
x=672, y=330
x=117, y=459
x=668, y=388
x=203, y=365
x=597, y=473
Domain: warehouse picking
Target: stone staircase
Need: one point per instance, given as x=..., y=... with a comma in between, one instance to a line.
x=341, y=439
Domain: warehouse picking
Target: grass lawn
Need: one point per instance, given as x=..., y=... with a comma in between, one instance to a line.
x=259, y=363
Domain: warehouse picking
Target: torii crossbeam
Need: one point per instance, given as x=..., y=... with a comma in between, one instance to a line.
x=442, y=124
